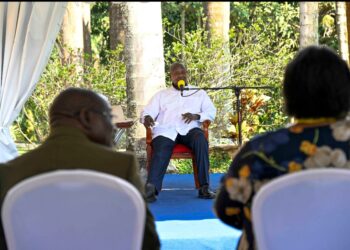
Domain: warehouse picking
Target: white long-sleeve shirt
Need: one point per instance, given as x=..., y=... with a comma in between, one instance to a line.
x=167, y=106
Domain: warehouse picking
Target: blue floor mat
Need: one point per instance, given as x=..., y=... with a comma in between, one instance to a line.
x=185, y=222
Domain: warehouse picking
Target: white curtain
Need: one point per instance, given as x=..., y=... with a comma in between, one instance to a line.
x=27, y=34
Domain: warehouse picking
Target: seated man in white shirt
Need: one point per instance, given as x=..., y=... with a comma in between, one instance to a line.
x=176, y=118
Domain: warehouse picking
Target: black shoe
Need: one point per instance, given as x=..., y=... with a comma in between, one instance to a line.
x=151, y=193
x=205, y=193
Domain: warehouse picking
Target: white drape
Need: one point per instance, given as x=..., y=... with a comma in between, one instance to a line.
x=27, y=34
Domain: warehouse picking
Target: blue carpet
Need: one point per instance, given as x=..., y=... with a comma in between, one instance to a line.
x=185, y=222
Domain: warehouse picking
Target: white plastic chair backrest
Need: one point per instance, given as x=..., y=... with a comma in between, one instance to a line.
x=305, y=210
x=73, y=209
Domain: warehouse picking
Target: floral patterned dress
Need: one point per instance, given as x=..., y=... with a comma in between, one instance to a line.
x=298, y=147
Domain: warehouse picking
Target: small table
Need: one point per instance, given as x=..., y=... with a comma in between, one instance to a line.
x=121, y=127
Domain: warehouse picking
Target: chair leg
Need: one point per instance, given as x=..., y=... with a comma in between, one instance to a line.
x=149, y=158
x=195, y=172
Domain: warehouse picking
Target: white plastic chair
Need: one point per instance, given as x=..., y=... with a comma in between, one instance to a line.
x=304, y=211
x=73, y=209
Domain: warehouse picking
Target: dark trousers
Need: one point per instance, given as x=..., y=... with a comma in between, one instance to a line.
x=163, y=148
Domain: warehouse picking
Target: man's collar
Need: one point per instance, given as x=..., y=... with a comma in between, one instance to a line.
x=67, y=131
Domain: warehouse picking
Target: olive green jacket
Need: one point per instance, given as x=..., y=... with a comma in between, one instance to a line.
x=69, y=148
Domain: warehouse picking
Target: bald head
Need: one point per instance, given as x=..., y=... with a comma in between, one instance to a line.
x=86, y=110
x=176, y=66
x=70, y=101
x=178, y=72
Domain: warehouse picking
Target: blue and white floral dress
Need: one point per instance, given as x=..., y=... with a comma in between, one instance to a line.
x=300, y=146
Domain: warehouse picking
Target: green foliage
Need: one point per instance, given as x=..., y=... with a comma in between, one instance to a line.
x=277, y=21
x=183, y=166
x=327, y=30
x=100, y=30
x=171, y=12
x=109, y=79
x=263, y=38
x=262, y=41
x=219, y=163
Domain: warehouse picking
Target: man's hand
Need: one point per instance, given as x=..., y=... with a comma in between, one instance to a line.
x=148, y=121
x=188, y=117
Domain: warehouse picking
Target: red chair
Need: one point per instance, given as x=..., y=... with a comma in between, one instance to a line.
x=180, y=151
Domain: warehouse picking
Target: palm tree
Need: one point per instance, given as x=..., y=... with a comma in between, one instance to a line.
x=117, y=22
x=218, y=25
x=144, y=62
x=87, y=31
x=308, y=24
x=72, y=33
x=342, y=30
x=347, y=5
x=218, y=19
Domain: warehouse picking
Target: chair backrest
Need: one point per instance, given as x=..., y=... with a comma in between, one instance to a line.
x=73, y=209
x=305, y=210
x=118, y=115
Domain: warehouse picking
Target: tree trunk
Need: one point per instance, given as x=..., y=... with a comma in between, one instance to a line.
x=347, y=5
x=72, y=34
x=144, y=65
x=87, y=32
x=218, y=19
x=183, y=29
x=342, y=30
x=218, y=25
x=117, y=21
x=308, y=24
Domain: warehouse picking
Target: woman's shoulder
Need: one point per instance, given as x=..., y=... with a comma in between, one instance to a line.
x=279, y=134
x=339, y=131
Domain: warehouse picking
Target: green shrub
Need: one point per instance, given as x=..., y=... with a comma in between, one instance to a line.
x=219, y=163
x=109, y=79
x=263, y=37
